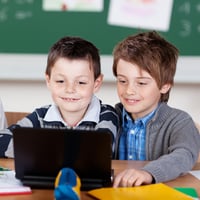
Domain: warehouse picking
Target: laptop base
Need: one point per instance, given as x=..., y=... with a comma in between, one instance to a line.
x=48, y=183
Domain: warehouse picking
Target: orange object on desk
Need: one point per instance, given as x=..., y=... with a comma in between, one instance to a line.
x=147, y=192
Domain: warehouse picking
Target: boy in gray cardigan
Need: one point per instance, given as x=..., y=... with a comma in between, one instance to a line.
x=145, y=65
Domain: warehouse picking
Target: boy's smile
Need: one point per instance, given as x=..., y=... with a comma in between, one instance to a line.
x=70, y=99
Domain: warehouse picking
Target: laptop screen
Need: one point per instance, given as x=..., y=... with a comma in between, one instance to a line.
x=41, y=152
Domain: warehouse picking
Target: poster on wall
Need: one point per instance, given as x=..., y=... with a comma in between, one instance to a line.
x=73, y=5
x=142, y=14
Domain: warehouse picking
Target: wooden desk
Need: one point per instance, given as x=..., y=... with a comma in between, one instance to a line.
x=185, y=181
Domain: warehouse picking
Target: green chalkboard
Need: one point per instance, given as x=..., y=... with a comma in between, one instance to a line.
x=26, y=28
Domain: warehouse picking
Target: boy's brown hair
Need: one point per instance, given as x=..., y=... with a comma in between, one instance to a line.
x=151, y=53
x=74, y=48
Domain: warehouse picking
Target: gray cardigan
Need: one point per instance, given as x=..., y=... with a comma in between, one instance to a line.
x=172, y=143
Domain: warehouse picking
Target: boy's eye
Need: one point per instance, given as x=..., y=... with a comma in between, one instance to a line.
x=59, y=81
x=82, y=82
x=142, y=83
x=123, y=81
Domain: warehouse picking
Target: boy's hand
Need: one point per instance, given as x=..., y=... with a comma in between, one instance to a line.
x=132, y=177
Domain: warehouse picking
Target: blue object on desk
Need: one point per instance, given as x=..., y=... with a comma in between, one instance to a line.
x=67, y=185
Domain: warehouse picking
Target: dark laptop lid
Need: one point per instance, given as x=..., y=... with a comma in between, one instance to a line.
x=41, y=152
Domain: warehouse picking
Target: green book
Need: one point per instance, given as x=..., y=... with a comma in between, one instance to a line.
x=189, y=191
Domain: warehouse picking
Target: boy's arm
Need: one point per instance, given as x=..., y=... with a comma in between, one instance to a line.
x=167, y=167
x=183, y=151
x=6, y=141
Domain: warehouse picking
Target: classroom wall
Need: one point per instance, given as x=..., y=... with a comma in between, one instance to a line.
x=22, y=86
x=27, y=95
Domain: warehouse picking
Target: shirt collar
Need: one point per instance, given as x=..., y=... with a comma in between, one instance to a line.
x=92, y=114
x=126, y=118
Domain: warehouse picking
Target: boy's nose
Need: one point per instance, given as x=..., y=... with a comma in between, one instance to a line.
x=131, y=89
x=70, y=88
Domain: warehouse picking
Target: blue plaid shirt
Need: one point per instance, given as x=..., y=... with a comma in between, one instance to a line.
x=133, y=137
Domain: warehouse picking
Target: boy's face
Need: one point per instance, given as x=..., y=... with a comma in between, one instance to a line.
x=137, y=90
x=72, y=86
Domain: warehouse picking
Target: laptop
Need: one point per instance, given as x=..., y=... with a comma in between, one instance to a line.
x=40, y=153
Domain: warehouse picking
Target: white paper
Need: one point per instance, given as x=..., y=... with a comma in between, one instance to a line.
x=9, y=184
x=141, y=14
x=73, y=5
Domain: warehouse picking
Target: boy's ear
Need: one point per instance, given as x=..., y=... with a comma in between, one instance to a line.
x=98, y=83
x=47, y=78
x=165, y=88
